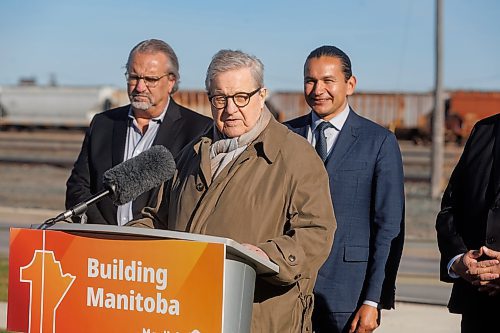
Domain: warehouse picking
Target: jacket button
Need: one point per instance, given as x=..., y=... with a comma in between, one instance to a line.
x=490, y=240
x=291, y=258
x=200, y=187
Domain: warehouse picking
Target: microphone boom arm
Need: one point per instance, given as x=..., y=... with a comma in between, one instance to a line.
x=78, y=209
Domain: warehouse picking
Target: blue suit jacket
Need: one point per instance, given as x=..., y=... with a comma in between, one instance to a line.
x=367, y=190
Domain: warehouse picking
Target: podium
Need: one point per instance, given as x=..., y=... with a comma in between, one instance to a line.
x=101, y=278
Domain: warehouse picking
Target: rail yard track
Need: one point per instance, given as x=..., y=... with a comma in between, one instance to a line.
x=34, y=167
x=56, y=148
x=60, y=148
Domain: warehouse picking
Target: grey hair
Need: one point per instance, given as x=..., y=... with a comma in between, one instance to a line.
x=227, y=60
x=154, y=46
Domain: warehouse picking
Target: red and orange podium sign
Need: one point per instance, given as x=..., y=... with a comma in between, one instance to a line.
x=75, y=282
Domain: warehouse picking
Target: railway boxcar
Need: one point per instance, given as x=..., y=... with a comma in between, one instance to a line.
x=470, y=106
x=408, y=115
x=54, y=106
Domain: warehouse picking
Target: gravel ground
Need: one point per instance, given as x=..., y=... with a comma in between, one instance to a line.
x=43, y=186
x=421, y=211
x=32, y=186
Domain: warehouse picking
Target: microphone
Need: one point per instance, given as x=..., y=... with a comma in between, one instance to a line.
x=140, y=174
x=127, y=180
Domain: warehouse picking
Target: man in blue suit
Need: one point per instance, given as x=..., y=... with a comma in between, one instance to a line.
x=364, y=163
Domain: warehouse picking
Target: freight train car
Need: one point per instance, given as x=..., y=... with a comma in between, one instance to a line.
x=467, y=107
x=32, y=106
x=408, y=115
x=54, y=106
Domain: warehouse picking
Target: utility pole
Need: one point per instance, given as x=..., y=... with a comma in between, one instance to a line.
x=438, y=112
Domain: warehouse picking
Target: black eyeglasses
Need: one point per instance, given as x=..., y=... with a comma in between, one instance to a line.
x=150, y=81
x=240, y=99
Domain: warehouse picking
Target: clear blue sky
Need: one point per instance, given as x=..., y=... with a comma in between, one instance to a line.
x=390, y=42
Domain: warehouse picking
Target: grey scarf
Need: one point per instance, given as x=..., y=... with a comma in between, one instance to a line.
x=223, y=151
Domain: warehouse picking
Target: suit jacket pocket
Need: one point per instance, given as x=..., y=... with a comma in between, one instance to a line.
x=356, y=253
x=350, y=165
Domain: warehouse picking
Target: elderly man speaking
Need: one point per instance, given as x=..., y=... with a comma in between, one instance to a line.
x=252, y=180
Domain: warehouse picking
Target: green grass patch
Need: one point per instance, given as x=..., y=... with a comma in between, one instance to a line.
x=4, y=278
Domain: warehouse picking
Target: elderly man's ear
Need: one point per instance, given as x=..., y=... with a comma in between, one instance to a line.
x=263, y=95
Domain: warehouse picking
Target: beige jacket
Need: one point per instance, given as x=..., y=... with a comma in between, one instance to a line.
x=276, y=196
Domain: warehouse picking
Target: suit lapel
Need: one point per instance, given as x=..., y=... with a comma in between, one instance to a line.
x=496, y=161
x=302, y=131
x=302, y=125
x=167, y=131
x=346, y=139
x=165, y=136
x=118, y=138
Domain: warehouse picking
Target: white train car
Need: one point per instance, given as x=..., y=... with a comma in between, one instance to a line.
x=55, y=106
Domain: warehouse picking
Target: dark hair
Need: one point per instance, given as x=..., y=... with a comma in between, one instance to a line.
x=156, y=45
x=334, y=52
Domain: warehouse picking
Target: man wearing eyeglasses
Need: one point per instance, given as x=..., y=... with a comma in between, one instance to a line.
x=151, y=118
x=250, y=179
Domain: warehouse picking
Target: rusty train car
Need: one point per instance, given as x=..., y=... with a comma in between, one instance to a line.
x=406, y=114
x=392, y=110
x=471, y=106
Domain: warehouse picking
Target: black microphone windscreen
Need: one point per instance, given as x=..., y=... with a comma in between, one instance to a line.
x=139, y=174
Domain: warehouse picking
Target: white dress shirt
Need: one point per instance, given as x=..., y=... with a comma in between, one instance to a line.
x=331, y=133
x=135, y=143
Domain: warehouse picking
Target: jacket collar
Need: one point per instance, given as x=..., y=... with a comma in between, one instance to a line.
x=202, y=150
x=118, y=135
x=496, y=160
x=168, y=131
x=267, y=145
x=338, y=121
x=346, y=139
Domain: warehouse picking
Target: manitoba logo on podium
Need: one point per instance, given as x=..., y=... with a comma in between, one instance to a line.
x=77, y=282
x=45, y=300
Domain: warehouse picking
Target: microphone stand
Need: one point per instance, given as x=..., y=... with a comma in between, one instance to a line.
x=76, y=210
